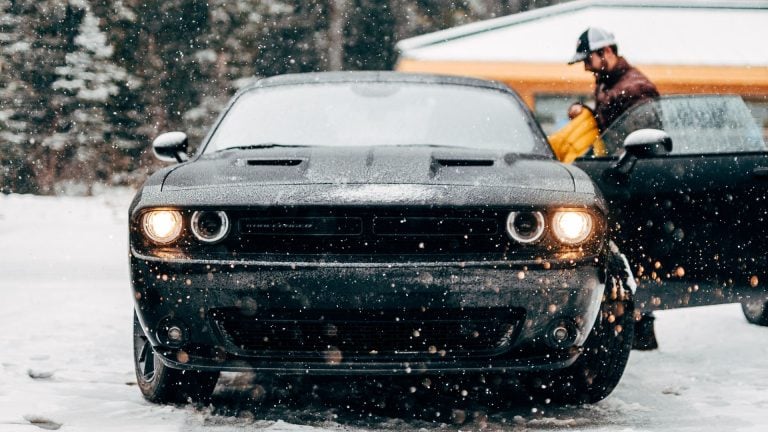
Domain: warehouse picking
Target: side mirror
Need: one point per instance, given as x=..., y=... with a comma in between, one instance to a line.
x=648, y=143
x=171, y=147
x=642, y=143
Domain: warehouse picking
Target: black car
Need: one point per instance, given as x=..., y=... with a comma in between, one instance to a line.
x=685, y=181
x=375, y=224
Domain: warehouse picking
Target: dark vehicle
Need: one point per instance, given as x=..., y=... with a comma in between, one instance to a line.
x=375, y=224
x=686, y=185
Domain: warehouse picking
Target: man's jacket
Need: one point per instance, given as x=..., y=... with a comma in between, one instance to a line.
x=619, y=90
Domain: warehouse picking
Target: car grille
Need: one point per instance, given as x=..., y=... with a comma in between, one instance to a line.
x=434, y=226
x=444, y=333
x=456, y=233
x=301, y=226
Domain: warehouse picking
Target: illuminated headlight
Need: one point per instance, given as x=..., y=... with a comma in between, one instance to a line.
x=210, y=226
x=525, y=227
x=572, y=226
x=162, y=226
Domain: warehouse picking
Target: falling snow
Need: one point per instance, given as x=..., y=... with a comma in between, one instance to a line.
x=66, y=344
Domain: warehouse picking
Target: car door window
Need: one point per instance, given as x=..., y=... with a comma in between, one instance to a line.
x=707, y=124
x=644, y=116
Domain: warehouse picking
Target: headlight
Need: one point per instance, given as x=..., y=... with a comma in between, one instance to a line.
x=210, y=226
x=162, y=226
x=572, y=226
x=525, y=227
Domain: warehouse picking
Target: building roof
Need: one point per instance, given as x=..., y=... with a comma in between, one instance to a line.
x=649, y=32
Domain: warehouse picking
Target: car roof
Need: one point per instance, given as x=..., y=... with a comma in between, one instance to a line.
x=373, y=77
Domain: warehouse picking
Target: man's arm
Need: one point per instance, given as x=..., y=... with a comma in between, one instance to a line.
x=634, y=88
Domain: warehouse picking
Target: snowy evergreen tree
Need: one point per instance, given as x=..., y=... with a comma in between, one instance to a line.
x=226, y=56
x=156, y=42
x=15, y=168
x=370, y=35
x=87, y=84
x=42, y=34
x=83, y=90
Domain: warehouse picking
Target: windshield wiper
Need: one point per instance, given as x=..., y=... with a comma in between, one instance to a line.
x=260, y=146
x=431, y=145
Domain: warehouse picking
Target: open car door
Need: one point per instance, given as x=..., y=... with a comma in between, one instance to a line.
x=693, y=219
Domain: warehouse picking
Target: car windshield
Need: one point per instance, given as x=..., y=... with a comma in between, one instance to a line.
x=378, y=114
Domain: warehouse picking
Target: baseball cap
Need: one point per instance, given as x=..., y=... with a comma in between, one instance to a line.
x=591, y=40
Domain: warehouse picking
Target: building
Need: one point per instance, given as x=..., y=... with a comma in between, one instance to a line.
x=684, y=46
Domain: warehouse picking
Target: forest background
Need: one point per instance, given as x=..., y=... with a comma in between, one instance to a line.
x=85, y=85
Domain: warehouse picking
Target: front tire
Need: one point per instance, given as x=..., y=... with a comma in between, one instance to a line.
x=601, y=364
x=159, y=383
x=755, y=311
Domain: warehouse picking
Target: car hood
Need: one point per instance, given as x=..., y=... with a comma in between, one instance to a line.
x=418, y=165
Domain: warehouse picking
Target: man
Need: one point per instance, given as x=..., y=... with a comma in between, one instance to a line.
x=618, y=87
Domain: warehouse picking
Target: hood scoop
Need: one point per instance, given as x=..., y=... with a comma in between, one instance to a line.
x=440, y=163
x=464, y=162
x=269, y=162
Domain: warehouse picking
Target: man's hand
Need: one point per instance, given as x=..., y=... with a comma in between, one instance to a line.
x=574, y=110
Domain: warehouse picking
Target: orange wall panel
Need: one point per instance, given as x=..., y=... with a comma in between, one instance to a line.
x=529, y=79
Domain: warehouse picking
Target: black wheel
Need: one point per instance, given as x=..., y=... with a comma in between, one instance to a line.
x=601, y=364
x=755, y=311
x=159, y=383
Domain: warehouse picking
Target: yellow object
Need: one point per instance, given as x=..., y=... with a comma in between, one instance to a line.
x=576, y=137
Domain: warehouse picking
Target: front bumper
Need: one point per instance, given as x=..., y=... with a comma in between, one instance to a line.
x=532, y=299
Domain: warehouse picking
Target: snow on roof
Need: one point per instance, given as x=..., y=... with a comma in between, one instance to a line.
x=682, y=32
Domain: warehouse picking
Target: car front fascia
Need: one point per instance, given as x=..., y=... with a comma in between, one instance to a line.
x=190, y=291
x=184, y=285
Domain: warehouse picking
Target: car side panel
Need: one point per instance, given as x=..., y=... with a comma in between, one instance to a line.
x=694, y=221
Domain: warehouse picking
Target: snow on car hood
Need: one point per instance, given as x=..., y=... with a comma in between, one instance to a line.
x=370, y=166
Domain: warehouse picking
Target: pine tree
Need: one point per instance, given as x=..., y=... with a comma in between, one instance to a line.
x=87, y=84
x=15, y=169
x=156, y=41
x=84, y=90
x=370, y=35
x=43, y=33
x=226, y=56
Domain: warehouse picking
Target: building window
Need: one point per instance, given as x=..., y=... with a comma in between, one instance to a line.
x=759, y=108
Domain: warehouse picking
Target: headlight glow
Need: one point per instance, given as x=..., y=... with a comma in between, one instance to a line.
x=162, y=226
x=572, y=226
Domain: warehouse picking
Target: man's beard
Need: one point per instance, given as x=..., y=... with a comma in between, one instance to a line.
x=603, y=73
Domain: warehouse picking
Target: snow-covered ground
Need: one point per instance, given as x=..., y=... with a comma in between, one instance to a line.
x=65, y=355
